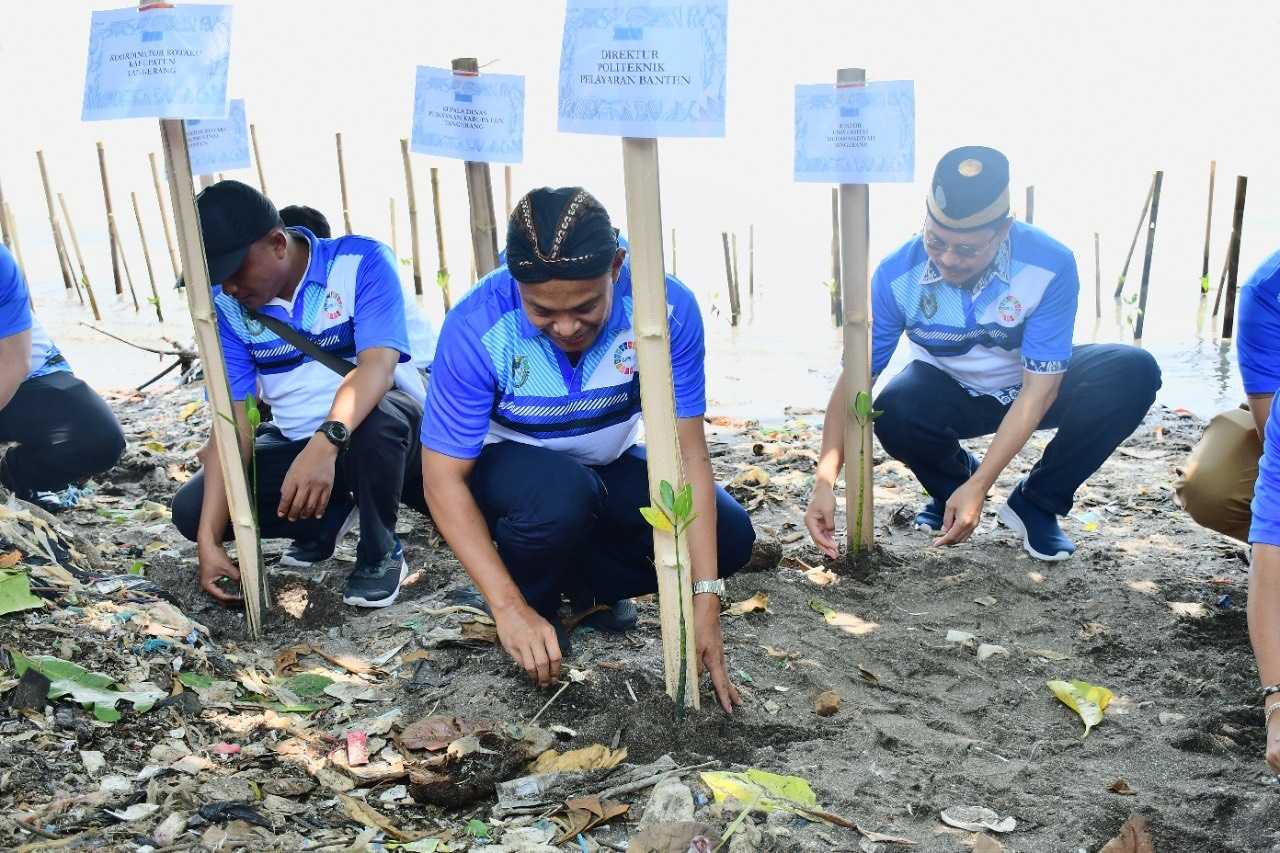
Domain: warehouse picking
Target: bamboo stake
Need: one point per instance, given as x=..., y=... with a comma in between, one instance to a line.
x=1146, y=260
x=75, y=244
x=1233, y=260
x=1097, y=279
x=1133, y=243
x=728, y=276
x=7, y=214
x=4, y=226
x=413, y=217
x=67, y=274
x=111, y=227
x=737, y=282
x=146, y=256
x=855, y=236
x=837, y=293
x=1222, y=278
x=506, y=174
x=253, y=580
x=257, y=158
x=442, y=274
x=395, y=245
x=1208, y=226
x=124, y=262
x=164, y=217
x=653, y=358
x=484, y=230
x=342, y=183
x=1031, y=205
x=751, y=261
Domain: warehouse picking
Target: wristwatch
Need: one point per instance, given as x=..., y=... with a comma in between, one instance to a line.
x=715, y=587
x=337, y=432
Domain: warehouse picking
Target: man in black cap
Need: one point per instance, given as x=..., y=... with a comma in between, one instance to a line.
x=529, y=440
x=989, y=306
x=317, y=328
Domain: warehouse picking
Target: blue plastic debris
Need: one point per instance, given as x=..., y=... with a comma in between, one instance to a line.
x=154, y=645
x=1224, y=601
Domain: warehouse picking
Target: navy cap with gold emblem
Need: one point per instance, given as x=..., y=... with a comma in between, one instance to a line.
x=970, y=189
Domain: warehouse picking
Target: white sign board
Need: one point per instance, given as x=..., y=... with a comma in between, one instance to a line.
x=856, y=134
x=468, y=116
x=219, y=144
x=158, y=63
x=644, y=68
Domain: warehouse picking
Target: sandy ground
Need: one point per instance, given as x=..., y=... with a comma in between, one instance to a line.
x=923, y=723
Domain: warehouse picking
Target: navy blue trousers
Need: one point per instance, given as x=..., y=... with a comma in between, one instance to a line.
x=562, y=527
x=1105, y=393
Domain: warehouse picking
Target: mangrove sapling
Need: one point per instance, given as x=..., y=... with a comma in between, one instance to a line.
x=865, y=416
x=673, y=515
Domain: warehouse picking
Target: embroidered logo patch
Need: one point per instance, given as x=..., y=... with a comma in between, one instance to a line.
x=624, y=358
x=251, y=325
x=1009, y=310
x=928, y=304
x=332, y=305
x=519, y=371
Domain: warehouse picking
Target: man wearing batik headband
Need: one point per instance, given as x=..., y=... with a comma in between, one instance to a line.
x=989, y=306
x=533, y=473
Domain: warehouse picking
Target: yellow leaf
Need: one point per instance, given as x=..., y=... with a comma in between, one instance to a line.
x=762, y=791
x=759, y=601
x=1087, y=700
x=657, y=519
x=849, y=623
x=155, y=447
x=189, y=409
x=594, y=757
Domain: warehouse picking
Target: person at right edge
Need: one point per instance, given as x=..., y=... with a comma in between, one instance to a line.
x=989, y=306
x=1215, y=486
x=1264, y=583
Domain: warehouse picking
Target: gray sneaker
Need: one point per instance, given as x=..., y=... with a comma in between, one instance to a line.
x=304, y=553
x=377, y=585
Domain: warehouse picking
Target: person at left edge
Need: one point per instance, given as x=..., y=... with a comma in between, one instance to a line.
x=62, y=432
x=336, y=440
x=529, y=439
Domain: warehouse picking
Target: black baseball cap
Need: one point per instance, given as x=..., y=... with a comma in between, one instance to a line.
x=233, y=216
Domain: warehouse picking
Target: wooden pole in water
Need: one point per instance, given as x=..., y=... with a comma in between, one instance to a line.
x=342, y=184
x=855, y=252
x=484, y=230
x=413, y=217
x=728, y=276
x=1146, y=260
x=124, y=263
x=751, y=261
x=1031, y=205
x=506, y=174
x=837, y=303
x=253, y=580
x=1133, y=243
x=1233, y=260
x=164, y=217
x=395, y=244
x=111, y=227
x=1208, y=226
x=67, y=274
x=1097, y=278
x=737, y=281
x=257, y=159
x=657, y=400
x=146, y=256
x=75, y=244
x=1222, y=278
x=442, y=274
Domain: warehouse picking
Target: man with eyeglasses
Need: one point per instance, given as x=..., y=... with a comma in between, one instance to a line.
x=989, y=306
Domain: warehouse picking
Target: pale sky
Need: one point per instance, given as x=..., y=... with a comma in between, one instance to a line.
x=1086, y=98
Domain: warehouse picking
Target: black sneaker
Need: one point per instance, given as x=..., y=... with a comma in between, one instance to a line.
x=305, y=553
x=621, y=616
x=377, y=585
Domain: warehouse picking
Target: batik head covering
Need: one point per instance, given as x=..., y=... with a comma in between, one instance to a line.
x=559, y=234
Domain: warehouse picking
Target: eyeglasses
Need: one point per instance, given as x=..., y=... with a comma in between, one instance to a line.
x=960, y=250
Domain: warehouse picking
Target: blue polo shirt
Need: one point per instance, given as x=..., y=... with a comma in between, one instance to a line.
x=349, y=300
x=1265, y=527
x=496, y=377
x=16, y=317
x=1019, y=316
x=1258, y=329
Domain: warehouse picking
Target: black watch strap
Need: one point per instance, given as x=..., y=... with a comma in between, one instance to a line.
x=337, y=432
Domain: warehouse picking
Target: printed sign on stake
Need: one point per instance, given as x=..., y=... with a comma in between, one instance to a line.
x=856, y=134
x=160, y=62
x=479, y=118
x=643, y=68
x=219, y=145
